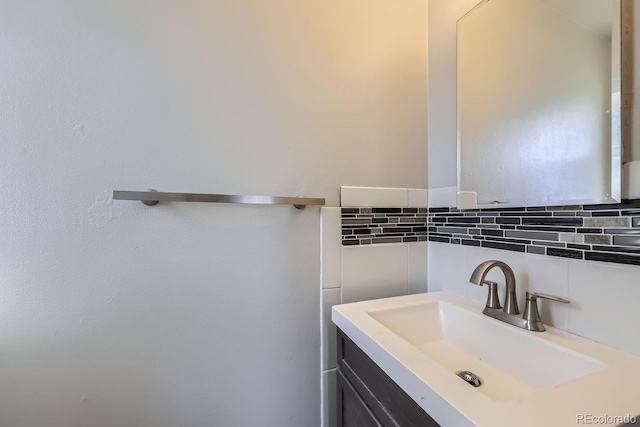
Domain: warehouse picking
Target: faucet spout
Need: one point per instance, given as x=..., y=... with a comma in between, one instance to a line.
x=478, y=278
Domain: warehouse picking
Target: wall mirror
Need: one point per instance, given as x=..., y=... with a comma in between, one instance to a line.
x=538, y=103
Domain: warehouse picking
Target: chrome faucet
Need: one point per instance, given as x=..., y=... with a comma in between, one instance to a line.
x=530, y=320
x=477, y=278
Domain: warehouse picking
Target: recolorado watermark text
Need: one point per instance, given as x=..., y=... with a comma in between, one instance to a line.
x=605, y=419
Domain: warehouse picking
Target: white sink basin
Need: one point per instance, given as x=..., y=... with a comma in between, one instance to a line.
x=510, y=364
x=528, y=378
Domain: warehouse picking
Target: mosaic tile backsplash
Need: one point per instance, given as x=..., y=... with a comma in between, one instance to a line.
x=366, y=226
x=609, y=233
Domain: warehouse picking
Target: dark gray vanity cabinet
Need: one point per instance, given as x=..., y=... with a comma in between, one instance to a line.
x=368, y=397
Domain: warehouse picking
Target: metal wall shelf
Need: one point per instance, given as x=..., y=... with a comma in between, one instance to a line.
x=153, y=197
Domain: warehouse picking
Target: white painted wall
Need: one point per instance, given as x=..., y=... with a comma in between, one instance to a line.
x=116, y=314
x=599, y=292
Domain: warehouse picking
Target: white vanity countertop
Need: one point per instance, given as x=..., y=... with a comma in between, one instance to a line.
x=612, y=390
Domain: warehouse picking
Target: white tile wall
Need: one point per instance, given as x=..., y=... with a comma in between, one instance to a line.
x=329, y=298
x=450, y=267
x=356, y=273
x=418, y=198
x=329, y=398
x=444, y=197
x=605, y=301
x=383, y=197
x=373, y=196
x=417, y=267
x=330, y=294
x=374, y=271
x=604, y=297
x=330, y=244
x=447, y=270
x=534, y=273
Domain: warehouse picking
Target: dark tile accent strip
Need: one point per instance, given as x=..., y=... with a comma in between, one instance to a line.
x=378, y=221
x=507, y=220
x=387, y=240
x=627, y=240
x=464, y=220
x=552, y=221
x=606, y=233
x=609, y=257
x=534, y=235
x=551, y=244
x=367, y=225
x=615, y=231
x=605, y=213
x=558, y=229
x=355, y=221
x=536, y=250
x=452, y=230
x=513, y=209
x=498, y=233
x=386, y=210
x=506, y=246
x=397, y=229
x=564, y=213
x=362, y=231
x=626, y=204
x=350, y=211
x=616, y=249
x=566, y=253
x=589, y=230
x=526, y=214
x=577, y=246
x=501, y=239
x=564, y=208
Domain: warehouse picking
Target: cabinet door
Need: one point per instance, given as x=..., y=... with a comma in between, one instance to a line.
x=352, y=410
x=389, y=404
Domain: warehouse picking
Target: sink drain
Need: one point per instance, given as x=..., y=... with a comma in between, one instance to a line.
x=470, y=377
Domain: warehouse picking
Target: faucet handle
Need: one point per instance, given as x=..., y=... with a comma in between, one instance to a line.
x=531, y=313
x=492, y=296
x=532, y=296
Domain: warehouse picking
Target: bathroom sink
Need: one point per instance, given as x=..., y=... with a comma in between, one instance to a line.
x=509, y=362
x=526, y=378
